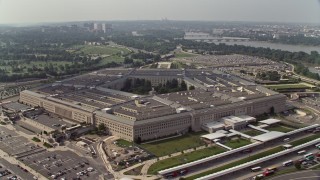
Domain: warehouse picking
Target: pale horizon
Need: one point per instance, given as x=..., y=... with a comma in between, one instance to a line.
x=49, y=11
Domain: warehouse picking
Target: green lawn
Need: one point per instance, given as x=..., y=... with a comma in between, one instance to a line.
x=236, y=143
x=109, y=59
x=184, y=55
x=184, y=158
x=279, y=128
x=252, y=132
x=288, y=86
x=124, y=143
x=169, y=146
x=103, y=50
x=239, y=162
x=304, y=140
x=36, y=139
x=39, y=64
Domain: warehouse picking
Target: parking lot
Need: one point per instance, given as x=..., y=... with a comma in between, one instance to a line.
x=13, y=144
x=61, y=164
x=11, y=171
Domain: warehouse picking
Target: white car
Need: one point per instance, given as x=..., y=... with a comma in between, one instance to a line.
x=90, y=169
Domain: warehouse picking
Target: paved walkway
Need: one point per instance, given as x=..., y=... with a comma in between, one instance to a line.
x=258, y=128
x=240, y=133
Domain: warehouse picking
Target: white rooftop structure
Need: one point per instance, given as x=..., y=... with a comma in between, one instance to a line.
x=222, y=131
x=270, y=121
x=268, y=136
x=214, y=124
x=236, y=119
x=213, y=136
x=247, y=118
x=263, y=126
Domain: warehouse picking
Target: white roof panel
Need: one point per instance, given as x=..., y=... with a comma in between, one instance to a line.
x=213, y=136
x=270, y=121
x=268, y=136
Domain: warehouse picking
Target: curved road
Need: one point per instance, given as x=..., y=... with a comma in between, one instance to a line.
x=303, y=175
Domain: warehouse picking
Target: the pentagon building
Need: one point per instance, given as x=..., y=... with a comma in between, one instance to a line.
x=95, y=98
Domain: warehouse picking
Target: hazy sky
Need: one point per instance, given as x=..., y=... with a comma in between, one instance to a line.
x=31, y=11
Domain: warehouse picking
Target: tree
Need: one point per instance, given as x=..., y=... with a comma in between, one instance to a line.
x=128, y=60
x=102, y=127
x=298, y=165
x=183, y=86
x=138, y=140
x=272, y=110
x=191, y=88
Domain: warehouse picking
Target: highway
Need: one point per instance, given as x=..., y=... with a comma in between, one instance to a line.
x=303, y=175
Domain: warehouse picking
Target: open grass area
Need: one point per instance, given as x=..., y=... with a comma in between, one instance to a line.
x=103, y=50
x=239, y=162
x=47, y=145
x=288, y=86
x=304, y=140
x=35, y=139
x=184, y=158
x=124, y=143
x=109, y=59
x=134, y=172
x=252, y=132
x=169, y=146
x=184, y=55
x=38, y=64
x=236, y=143
x=279, y=128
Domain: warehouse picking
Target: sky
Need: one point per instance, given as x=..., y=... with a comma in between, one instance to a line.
x=37, y=11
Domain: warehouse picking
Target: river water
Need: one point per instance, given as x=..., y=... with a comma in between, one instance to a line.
x=285, y=47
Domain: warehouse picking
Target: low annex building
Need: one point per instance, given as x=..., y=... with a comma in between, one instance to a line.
x=133, y=117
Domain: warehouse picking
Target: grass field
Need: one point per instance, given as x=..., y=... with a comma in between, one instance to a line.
x=239, y=162
x=109, y=59
x=288, y=86
x=103, y=50
x=169, y=146
x=184, y=158
x=305, y=140
x=279, y=128
x=252, y=132
x=184, y=55
x=124, y=143
x=39, y=64
x=236, y=143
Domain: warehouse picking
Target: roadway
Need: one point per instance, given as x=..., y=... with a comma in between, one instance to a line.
x=277, y=162
x=238, y=156
x=303, y=78
x=303, y=175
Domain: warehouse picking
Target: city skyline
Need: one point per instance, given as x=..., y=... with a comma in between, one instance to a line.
x=36, y=11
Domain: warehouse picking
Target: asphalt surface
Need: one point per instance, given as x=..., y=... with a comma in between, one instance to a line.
x=303, y=175
x=15, y=170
